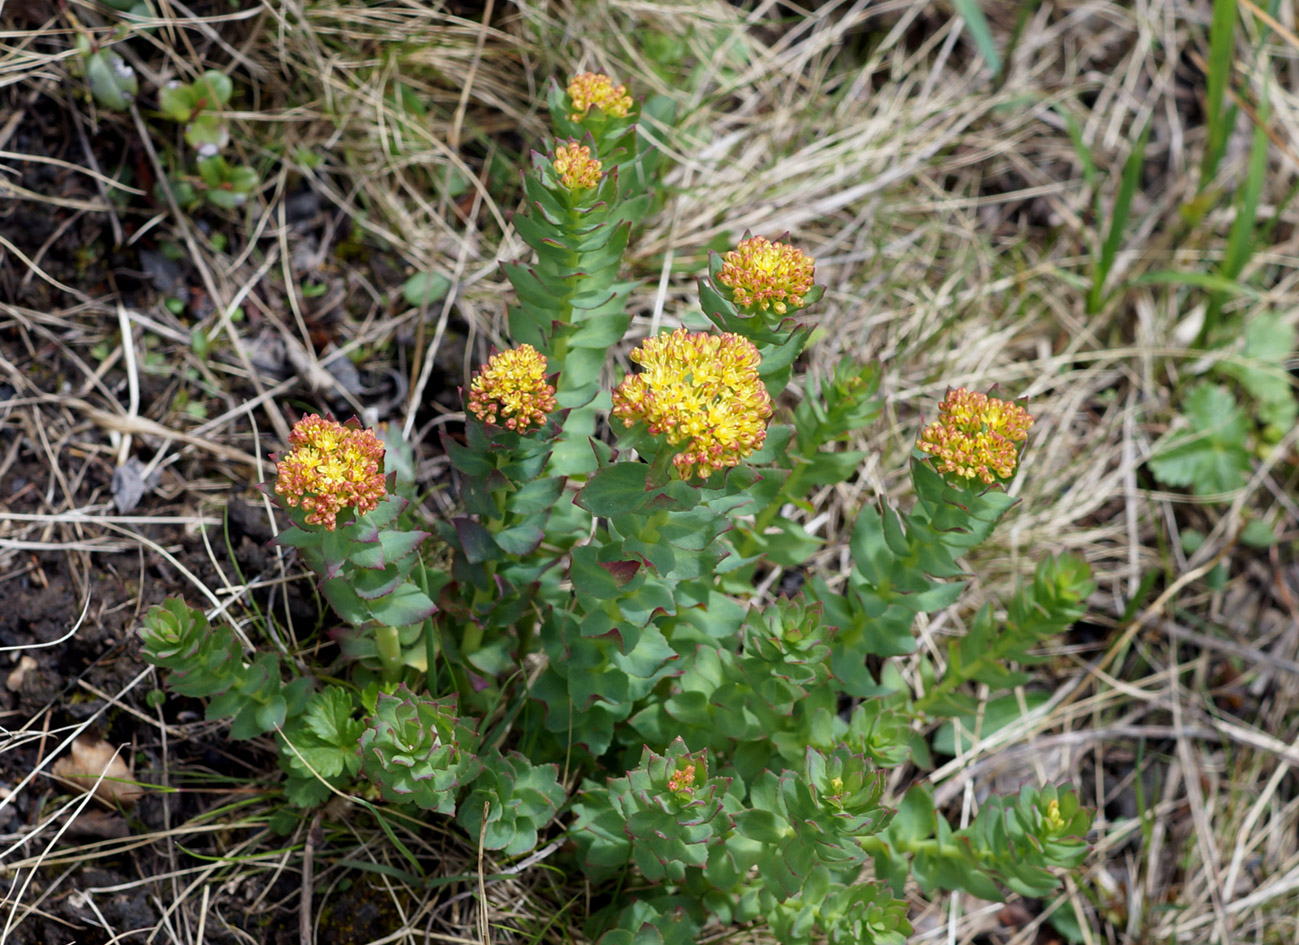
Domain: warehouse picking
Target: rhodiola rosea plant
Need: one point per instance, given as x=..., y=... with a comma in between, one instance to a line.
x=582, y=649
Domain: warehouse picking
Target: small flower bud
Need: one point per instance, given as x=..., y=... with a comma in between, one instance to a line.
x=1053, y=821
x=683, y=781
x=576, y=168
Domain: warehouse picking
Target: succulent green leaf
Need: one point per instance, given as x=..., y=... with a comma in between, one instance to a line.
x=112, y=81
x=417, y=751
x=406, y=605
x=203, y=660
x=425, y=288
x=617, y=489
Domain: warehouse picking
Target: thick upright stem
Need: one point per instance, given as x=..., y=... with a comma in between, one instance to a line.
x=764, y=518
x=389, y=646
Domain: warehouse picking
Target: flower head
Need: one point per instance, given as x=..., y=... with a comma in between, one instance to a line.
x=331, y=467
x=699, y=390
x=766, y=275
x=512, y=385
x=576, y=168
x=596, y=88
x=976, y=436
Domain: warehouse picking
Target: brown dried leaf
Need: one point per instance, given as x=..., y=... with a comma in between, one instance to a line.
x=87, y=759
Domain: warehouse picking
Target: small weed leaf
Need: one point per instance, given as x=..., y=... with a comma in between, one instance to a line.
x=1212, y=456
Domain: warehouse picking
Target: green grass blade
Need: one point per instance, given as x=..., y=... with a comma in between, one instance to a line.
x=1119, y=222
x=1240, y=239
x=977, y=23
x=382, y=821
x=1090, y=174
x=1202, y=280
x=1220, y=117
x=1266, y=235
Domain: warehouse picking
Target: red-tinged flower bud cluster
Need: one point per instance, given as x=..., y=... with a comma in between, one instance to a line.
x=511, y=390
x=576, y=168
x=682, y=781
x=764, y=275
x=702, y=392
x=596, y=88
x=330, y=467
x=976, y=436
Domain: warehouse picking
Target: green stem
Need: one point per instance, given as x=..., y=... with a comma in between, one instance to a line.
x=876, y=846
x=473, y=637
x=430, y=653
x=763, y=521
x=559, y=346
x=968, y=671
x=527, y=631
x=649, y=531
x=389, y=646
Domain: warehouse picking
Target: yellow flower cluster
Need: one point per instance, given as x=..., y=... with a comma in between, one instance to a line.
x=576, y=168
x=596, y=88
x=976, y=436
x=331, y=467
x=702, y=391
x=511, y=389
x=766, y=275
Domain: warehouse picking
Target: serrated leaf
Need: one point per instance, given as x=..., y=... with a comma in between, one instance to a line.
x=329, y=716
x=328, y=761
x=1212, y=455
x=305, y=792
x=345, y=601
x=1269, y=344
x=374, y=584
x=391, y=547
